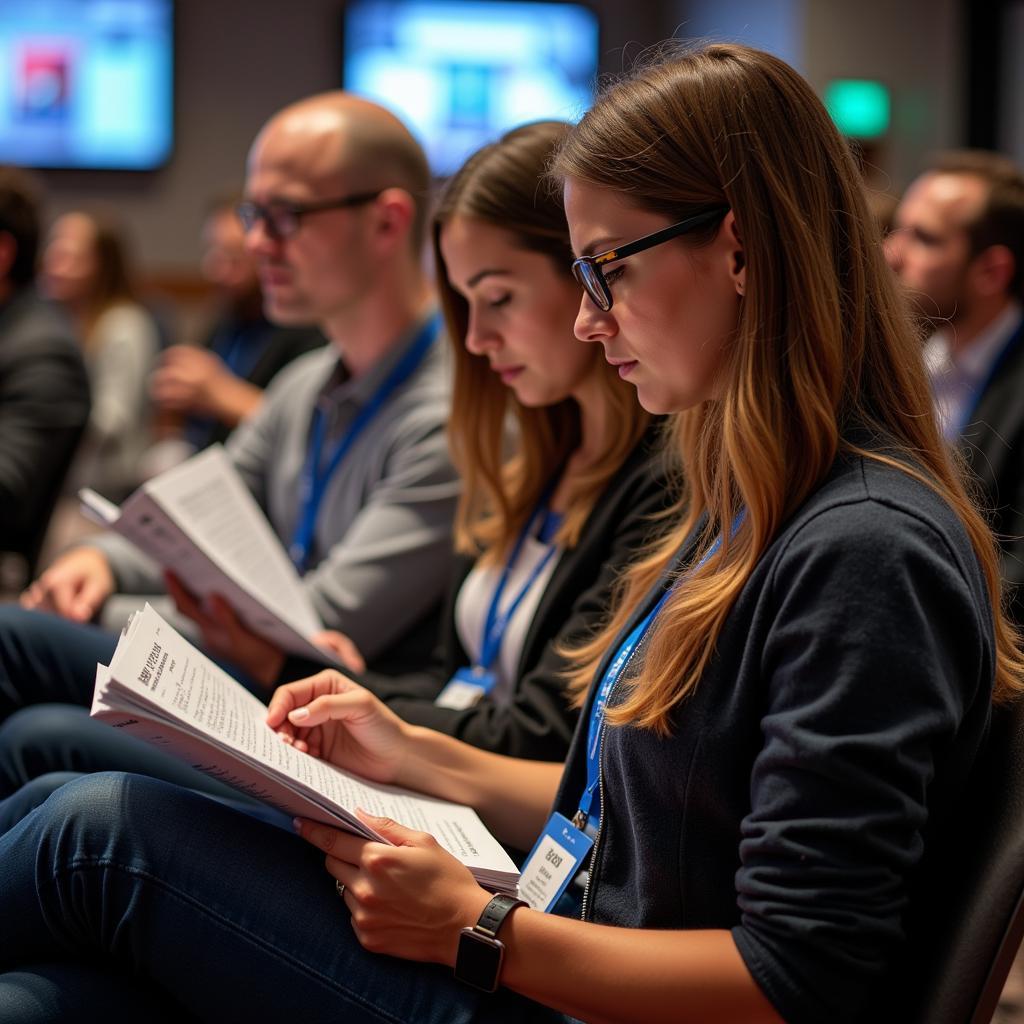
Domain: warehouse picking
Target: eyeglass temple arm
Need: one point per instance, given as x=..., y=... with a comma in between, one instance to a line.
x=650, y=241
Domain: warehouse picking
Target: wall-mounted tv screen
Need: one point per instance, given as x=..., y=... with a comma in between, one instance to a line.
x=86, y=83
x=461, y=72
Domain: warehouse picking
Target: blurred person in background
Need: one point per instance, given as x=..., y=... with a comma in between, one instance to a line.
x=958, y=249
x=86, y=270
x=44, y=391
x=212, y=387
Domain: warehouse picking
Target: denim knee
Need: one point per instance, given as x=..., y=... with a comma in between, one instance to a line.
x=13, y=616
x=14, y=807
x=34, y=741
x=19, y=630
x=61, y=991
x=32, y=724
x=45, y=658
x=94, y=805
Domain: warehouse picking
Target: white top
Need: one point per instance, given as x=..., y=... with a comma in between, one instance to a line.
x=474, y=599
x=956, y=381
x=119, y=358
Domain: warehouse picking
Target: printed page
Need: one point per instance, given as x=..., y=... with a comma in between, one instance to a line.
x=157, y=673
x=200, y=520
x=119, y=710
x=206, y=497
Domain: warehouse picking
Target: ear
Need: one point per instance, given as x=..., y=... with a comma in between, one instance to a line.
x=395, y=213
x=992, y=270
x=737, y=254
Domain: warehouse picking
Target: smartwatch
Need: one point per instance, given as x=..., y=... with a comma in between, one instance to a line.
x=478, y=962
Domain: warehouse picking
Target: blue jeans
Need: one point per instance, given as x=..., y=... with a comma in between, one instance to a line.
x=44, y=658
x=58, y=738
x=231, y=919
x=81, y=992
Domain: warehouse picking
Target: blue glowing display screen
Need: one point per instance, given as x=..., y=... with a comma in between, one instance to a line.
x=86, y=83
x=461, y=72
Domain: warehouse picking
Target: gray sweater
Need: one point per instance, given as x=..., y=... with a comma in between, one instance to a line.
x=382, y=548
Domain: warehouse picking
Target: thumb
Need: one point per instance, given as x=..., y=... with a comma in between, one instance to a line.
x=390, y=831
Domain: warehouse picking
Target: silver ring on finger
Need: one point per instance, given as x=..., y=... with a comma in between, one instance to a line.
x=339, y=888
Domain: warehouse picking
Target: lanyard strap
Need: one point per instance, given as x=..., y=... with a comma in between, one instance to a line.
x=955, y=428
x=497, y=622
x=316, y=475
x=608, y=681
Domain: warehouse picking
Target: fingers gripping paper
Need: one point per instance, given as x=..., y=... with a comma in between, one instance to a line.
x=162, y=690
x=200, y=520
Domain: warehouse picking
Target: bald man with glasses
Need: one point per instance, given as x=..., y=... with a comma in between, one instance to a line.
x=347, y=455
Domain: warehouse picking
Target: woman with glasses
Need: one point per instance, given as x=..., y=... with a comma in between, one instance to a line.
x=777, y=721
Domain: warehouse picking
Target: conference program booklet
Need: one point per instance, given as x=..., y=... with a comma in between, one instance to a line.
x=199, y=520
x=159, y=688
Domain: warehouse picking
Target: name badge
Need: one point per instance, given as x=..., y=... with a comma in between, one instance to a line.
x=465, y=689
x=552, y=862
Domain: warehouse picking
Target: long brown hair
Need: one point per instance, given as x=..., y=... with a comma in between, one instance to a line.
x=504, y=184
x=113, y=283
x=823, y=341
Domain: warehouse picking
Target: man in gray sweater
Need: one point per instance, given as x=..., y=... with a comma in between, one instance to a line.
x=347, y=455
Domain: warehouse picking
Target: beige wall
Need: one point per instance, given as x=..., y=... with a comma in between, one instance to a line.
x=912, y=46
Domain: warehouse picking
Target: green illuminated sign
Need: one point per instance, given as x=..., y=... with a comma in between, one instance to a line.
x=860, y=108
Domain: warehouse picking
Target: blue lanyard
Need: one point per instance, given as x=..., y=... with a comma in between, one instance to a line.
x=611, y=677
x=954, y=430
x=316, y=475
x=497, y=622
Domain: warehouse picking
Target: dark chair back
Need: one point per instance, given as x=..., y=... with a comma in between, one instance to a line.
x=962, y=946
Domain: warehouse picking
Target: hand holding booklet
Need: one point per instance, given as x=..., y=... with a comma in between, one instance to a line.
x=159, y=688
x=200, y=520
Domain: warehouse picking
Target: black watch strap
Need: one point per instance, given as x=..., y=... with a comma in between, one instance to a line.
x=494, y=914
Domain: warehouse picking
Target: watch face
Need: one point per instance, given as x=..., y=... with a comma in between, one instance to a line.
x=479, y=960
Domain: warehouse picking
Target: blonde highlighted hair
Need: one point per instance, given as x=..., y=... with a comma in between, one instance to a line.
x=504, y=185
x=823, y=341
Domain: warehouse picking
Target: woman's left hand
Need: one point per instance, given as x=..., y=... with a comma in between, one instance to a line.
x=409, y=900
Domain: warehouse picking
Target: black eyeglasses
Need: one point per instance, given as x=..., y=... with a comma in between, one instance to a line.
x=588, y=269
x=282, y=219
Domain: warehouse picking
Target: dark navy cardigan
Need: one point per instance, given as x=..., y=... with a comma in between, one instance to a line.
x=821, y=750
